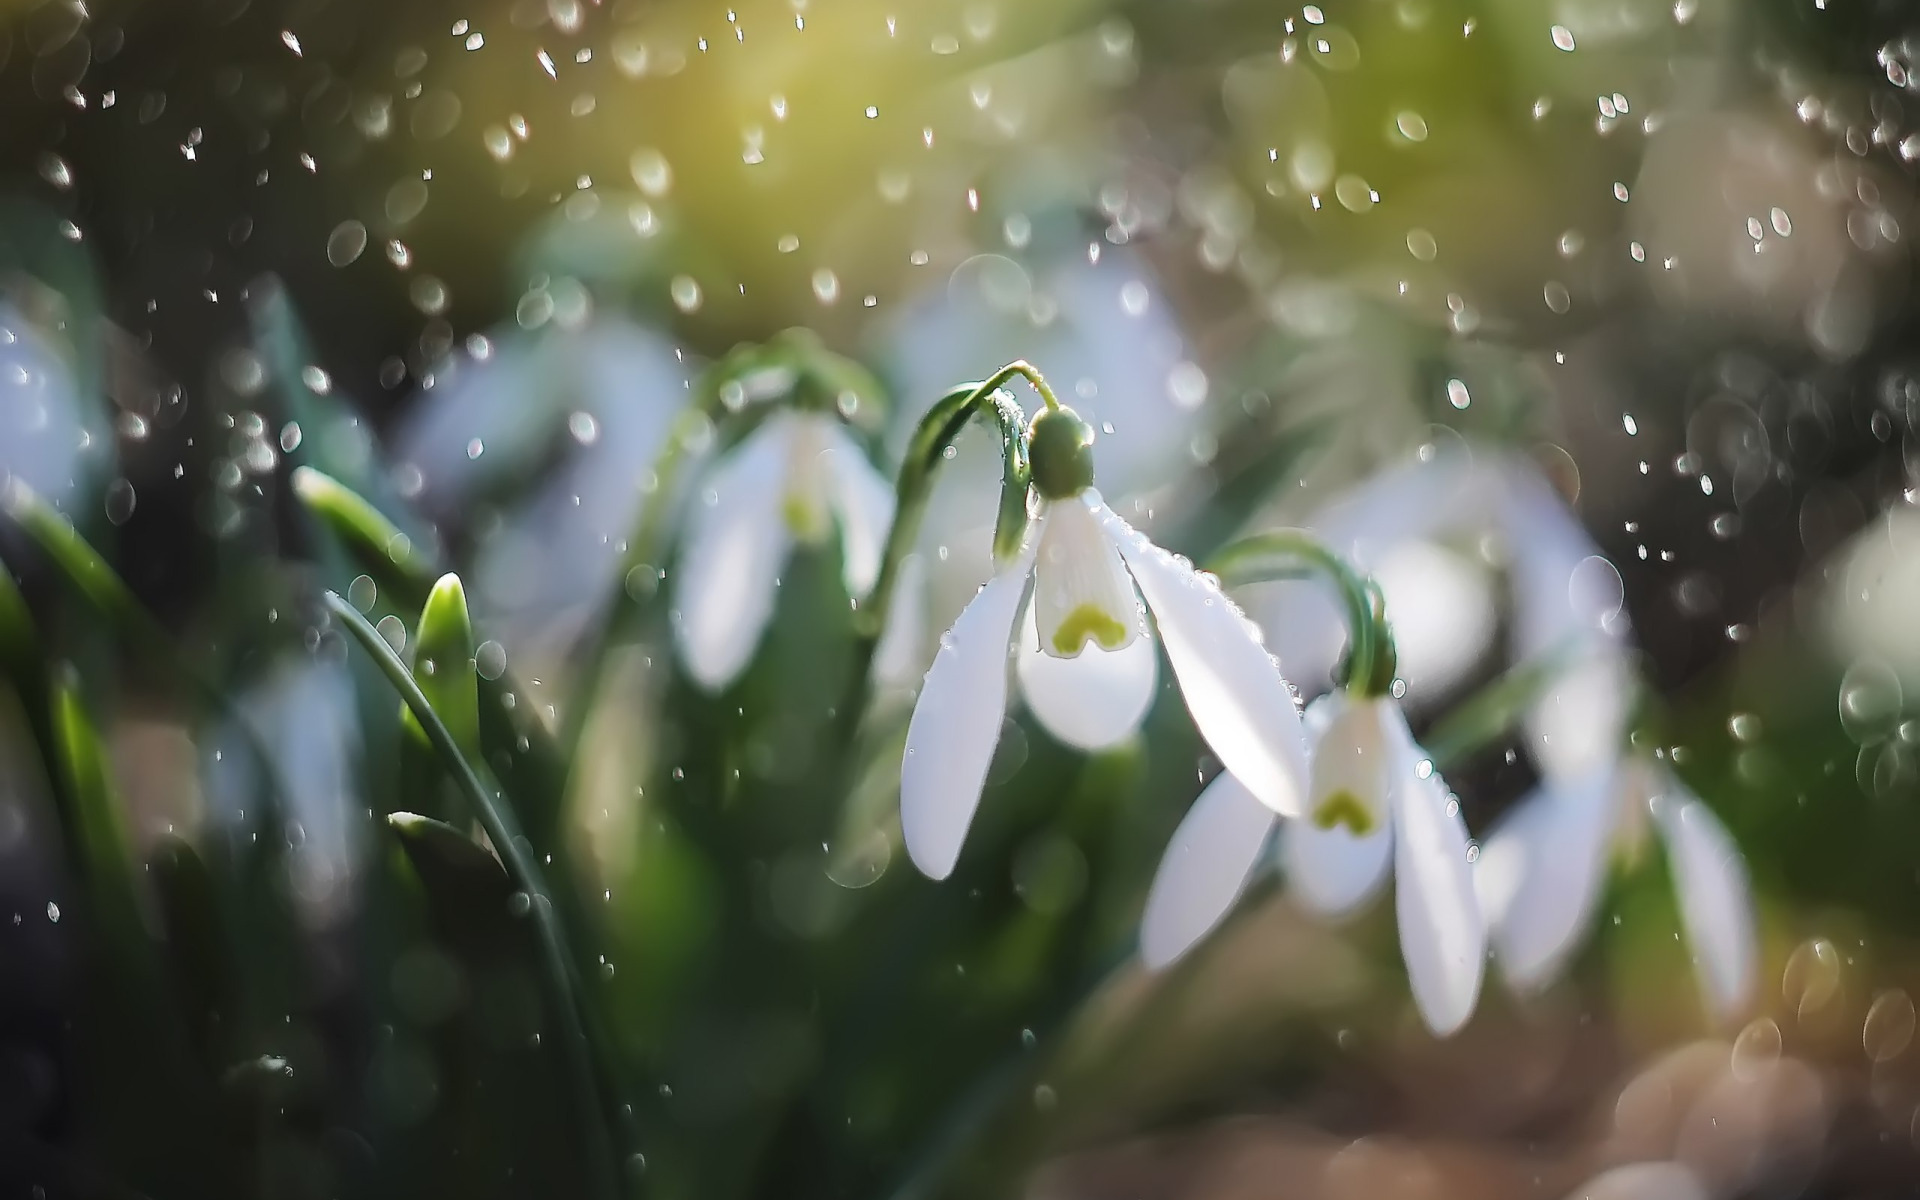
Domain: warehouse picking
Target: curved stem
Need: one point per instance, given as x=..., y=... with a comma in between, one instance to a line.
x=503, y=829
x=1281, y=554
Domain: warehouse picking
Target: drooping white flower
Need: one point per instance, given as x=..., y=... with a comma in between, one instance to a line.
x=793, y=479
x=1087, y=663
x=1376, y=808
x=1542, y=870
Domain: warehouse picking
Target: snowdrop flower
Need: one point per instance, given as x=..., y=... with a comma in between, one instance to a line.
x=1080, y=572
x=556, y=420
x=792, y=480
x=1541, y=873
x=1376, y=808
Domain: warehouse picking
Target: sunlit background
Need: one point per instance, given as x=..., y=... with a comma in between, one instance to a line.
x=475, y=259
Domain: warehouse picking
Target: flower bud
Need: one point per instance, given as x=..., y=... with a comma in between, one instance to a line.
x=1060, y=449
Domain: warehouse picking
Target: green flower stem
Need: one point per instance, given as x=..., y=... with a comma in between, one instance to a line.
x=1293, y=553
x=497, y=818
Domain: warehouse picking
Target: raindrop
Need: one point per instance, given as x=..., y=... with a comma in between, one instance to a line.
x=1889, y=1026
x=1458, y=395
x=405, y=200
x=362, y=592
x=1334, y=48
x=1870, y=700
x=1412, y=126
x=1557, y=297
x=53, y=912
x=1187, y=385
x=1755, y=1050
x=1812, y=976
x=120, y=500
x=826, y=286
x=490, y=660
x=1421, y=245
x=1134, y=297
x=55, y=171
x=429, y=295
x=290, y=437
x=583, y=427
x=1563, y=37
x=435, y=115
x=650, y=171
x=685, y=291
x=347, y=243
x=394, y=631
x=1355, y=194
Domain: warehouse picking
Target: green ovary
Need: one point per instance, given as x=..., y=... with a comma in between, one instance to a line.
x=1344, y=808
x=1088, y=622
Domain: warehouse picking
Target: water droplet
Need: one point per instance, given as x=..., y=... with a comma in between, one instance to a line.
x=1755, y=1050
x=1355, y=194
x=120, y=500
x=826, y=286
x=53, y=912
x=1812, y=976
x=1458, y=395
x=290, y=437
x=1870, y=700
x=1334, y=48
x=394, y=631
x=584, y=428
x=1888, y=1029
x=346, y=243
x=362, y=592
x=685, y=291
x=1187, y=385
x=406, y=200
x=1134, y=297
x=1557, y=297
x=650, y=171
x=1421, y=245
x=1563, y=38
x=490, y=660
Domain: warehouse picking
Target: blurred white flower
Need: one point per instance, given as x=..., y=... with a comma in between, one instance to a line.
x=44, y=431
x=1542, y=869
x=792, y=479
x=1376, y=806
x=1084, y=563
x=572, y=413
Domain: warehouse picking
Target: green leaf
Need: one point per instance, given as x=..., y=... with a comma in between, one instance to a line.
x=400, y=568
x=77, y=561
x=497, y=818
x=443, y=665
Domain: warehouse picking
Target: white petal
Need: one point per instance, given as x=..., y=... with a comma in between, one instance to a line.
x=1232, y=687
x=1081, y=592
x=1539, y=874
x=1642, y=1181
x=1093, y=701
x=1331, y=871
x=734, y=545
x=956, y=724
x=1579, y=724
x=1716, y=904
x=1354, y=758
x=1443, y=936
x=863, y=500
x=1205, y=868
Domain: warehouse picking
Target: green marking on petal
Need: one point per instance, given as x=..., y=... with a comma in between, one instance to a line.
x=807, y=521
x=1344, y=808
x=1088, y=622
